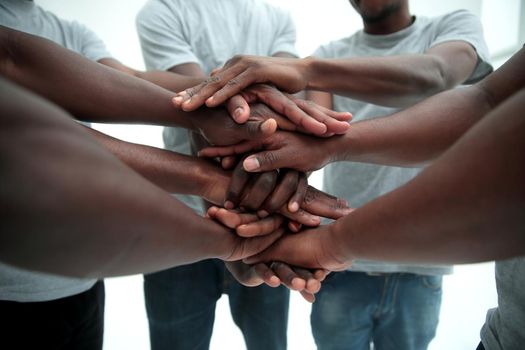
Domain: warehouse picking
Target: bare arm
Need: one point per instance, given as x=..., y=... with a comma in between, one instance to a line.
x=171, y=171
x=466, y=207
x=94, y=92
x=69, y=207
x=411, y=137
x=391, y=81
x=75, y=83
x=396, y=81
x=173, y=80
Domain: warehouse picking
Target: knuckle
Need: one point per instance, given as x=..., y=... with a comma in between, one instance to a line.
x=311, y=195
x=212, y=80
x=192, y=91
x=310, y=103
x=233, y=82
x=268, y=158
x=236, y=58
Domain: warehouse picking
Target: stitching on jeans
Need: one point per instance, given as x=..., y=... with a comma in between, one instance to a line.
x=379, y=310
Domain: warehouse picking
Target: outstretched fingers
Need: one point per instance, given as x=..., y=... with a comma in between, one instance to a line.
x=225, y=151
x=320, y=203
x=334, y=122
x=246, y=247
x=287, y=106
x=245, y=224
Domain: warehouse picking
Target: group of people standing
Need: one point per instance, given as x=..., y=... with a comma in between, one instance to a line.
x=432, y=162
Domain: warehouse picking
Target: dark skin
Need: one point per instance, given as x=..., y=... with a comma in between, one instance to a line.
x=178, y=173
x=266, y=192
x=466, y=206
x=396, y=81
x=128, y=224
x=383, y=16
x=120, y=97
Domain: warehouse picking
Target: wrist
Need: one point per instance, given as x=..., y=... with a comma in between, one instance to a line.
x=346, y=147
x=315, y=70
x=306, y=69
x=340, y=236
x=212, y=182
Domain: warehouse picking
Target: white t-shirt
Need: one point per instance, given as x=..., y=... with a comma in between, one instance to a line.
x=18, y=284
x=358, y=182
x=209, y=32
x=504, y=328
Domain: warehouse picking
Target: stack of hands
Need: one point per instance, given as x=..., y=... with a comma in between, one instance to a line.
x=268, y=194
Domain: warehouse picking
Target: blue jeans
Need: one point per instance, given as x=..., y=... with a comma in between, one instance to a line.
x=180, y=303
x=397, y=311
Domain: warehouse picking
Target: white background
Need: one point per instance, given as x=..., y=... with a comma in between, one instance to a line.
x=467, y=293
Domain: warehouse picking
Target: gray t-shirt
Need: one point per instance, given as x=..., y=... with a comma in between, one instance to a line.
x=504, y=328
x=359, y=183
x=18, y=284
x=208, y=32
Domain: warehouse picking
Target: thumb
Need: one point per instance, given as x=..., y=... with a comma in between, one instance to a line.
x=238, y=108
x=256, y=130
x=252, y=246
x=263, y=161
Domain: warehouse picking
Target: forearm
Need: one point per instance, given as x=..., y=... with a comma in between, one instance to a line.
x=90, y=91
x=69, y=207
x=173, y=172
x=170, y=81
x=414, y=136
x=396, y=81
x=466, y=207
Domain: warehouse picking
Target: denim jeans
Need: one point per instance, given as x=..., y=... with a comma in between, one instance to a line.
x=180, y=303
x=75, y=322
x=396, y=311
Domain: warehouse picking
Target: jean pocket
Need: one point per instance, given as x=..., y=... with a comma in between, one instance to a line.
x=432, y=282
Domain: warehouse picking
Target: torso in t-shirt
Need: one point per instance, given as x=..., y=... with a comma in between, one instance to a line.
x=18, y=284
x=358, y=182
x=208, y=32
x=504, y=327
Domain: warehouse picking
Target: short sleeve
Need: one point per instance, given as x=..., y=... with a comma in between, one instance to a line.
x=321, y=52
x=286, y=35
x=90, y=45
x=464, y=26
x=162, y=38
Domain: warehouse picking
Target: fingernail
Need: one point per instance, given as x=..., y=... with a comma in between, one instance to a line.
x=237, y=113
x=228, y=205
x=293, y=207
x=187, y=102
x=315, y=220
x=268, y=126
x=262, y=214
x=177, y=100
x=209, y=100
x=251, y=163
